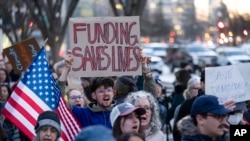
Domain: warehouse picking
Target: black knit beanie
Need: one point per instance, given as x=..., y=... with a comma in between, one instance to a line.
x=48, y=118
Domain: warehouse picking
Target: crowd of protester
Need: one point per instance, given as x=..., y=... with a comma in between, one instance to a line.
x=127, y=108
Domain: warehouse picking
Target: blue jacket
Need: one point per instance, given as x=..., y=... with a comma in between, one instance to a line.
x=92, y=115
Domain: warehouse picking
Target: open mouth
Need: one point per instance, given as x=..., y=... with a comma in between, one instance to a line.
x=78, y=105
x=225, y=126
x=143, y=118
x=135, y=127
x=106, y=99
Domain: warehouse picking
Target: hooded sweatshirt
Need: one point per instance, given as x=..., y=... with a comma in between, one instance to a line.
x=93, y=115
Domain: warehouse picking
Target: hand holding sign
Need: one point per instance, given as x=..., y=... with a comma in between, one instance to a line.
x=144, y=59
x=68, y=59
x=229, y=105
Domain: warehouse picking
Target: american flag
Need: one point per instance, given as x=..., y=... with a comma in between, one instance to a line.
x=37, y=91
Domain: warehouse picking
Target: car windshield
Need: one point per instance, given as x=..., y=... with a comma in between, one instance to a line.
x=159, y=49
x=197, y=49
x=148, y=51
x=234, y=53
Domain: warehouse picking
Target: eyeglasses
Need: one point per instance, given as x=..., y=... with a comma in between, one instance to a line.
x=218, y=117
x=196, y=88
x=105, y=90
x=75, y=97
x=147, y=108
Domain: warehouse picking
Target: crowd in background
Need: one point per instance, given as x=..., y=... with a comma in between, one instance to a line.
x=127, y=108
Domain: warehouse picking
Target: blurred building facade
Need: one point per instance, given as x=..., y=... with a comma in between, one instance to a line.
x=95, y=8
x=179, y=20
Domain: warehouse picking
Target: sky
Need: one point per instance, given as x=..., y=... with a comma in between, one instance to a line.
x=241, y=6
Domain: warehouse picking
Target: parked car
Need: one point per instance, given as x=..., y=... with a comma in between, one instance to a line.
x=156, y=64
x=159, y=49
x=148, y=51
x=196, y=55
x=232, y=55
x=177, y=55
x=202, y=56
x=246, y=47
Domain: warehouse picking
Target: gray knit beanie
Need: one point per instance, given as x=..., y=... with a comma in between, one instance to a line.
x=48, y=118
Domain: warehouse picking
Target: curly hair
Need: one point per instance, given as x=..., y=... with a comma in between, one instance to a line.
x=155, y=123
x=101, y=81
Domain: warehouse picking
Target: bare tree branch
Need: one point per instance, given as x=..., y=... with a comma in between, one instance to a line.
x=112, y=4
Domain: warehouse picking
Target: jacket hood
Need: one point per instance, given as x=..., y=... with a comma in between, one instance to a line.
x=93, y=106
x=187, y=127
x=190, y=131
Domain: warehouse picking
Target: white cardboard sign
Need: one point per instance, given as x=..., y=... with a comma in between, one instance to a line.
x=228, y=82
x=105, y=46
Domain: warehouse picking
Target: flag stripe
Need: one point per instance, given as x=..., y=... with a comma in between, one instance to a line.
x=69, y=116
x=69, y=120
x=19, y=120
x=32, y=97
x=66, y=119
x=26, y=100
x=26, y=106
x=25, y=111
x=69, y=137
x=35, y=93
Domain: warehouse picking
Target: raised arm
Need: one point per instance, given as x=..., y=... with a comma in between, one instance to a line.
x=63, y=77
x=149, y=84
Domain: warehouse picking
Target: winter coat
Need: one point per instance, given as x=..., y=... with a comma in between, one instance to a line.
x=177, y=99
x=190, y=131
x=90, y=115
x=184, y=110
x=163, y=111
x=149, y=83
x=157, y=136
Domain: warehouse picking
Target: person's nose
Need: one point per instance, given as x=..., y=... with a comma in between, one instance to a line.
x=48, y=132
x=78, y=99
x=135, y=119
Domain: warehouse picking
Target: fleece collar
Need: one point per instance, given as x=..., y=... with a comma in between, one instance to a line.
x=93, y=106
